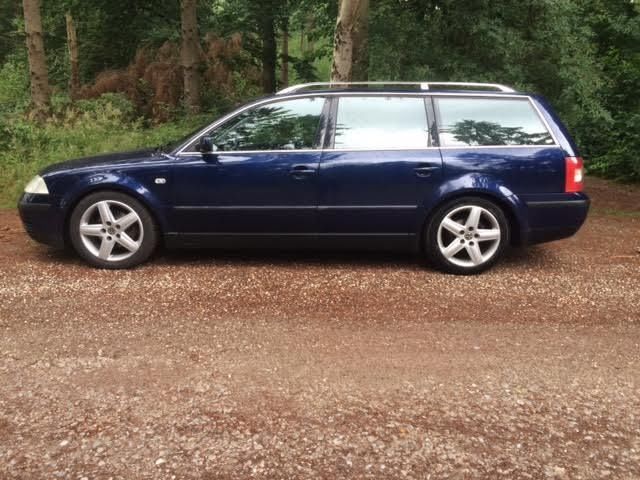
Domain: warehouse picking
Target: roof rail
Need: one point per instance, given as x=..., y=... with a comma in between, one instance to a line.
x=421, y=85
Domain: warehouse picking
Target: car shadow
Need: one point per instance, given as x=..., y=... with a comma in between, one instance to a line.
x=286, y=257
x=513, y=257
x=537, y=256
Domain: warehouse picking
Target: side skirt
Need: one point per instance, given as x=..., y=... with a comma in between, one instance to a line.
x=286, y=241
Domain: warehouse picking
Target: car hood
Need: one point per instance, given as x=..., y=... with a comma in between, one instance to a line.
x=106, y=161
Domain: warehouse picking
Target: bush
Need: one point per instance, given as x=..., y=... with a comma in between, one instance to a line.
x=88, y=127
x=14, y=86
x=621, y=161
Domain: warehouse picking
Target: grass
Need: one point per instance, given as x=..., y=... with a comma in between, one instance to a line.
x=26, y=147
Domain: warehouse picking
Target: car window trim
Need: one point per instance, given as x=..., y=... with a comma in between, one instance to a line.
x=229, y=117
x=432, y=124
x=334, y=117
x=180, y=151
x=385, y=149
x=536, y=110
x=323, y=125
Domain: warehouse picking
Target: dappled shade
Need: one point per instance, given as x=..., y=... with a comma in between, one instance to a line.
x=470, y=132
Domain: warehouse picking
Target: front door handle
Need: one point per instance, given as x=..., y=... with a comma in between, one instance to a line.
x=299, y=171
x=425, y=170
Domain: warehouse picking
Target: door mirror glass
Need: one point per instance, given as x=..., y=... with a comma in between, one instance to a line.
x=206, y=145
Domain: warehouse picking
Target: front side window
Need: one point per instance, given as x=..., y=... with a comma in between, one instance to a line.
x=381, y=122
x=285, y=125
x=489, y=121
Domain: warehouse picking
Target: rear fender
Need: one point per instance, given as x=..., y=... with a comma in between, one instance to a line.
x=475, y=184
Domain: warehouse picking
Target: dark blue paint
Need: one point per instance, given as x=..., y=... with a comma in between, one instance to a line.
x=375, y=191
x=253, y=193
x=319, y=195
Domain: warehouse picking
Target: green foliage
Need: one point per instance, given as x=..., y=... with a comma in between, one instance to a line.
x=14, y=85
x=8, y=36
x=87, y=128
x=109, y=32
x=583, y=56
x=613, y=145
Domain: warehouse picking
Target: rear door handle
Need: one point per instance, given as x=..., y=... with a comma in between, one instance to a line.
x=425, y=170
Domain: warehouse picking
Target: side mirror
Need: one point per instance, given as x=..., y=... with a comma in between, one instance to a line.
x=206, y=145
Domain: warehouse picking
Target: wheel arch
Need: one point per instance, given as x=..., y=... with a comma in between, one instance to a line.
x=71, y=202
x=510, y=206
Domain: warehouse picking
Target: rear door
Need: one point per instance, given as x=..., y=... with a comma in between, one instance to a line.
x=377, y=166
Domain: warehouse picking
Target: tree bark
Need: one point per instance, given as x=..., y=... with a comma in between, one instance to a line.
x=39, y=77
x=269, y=54
x=284, y=59
x=190, y=55
x=351, y=42
x=72, y=42
x=303, y=42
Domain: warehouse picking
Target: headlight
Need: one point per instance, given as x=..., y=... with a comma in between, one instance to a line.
x=37, y=185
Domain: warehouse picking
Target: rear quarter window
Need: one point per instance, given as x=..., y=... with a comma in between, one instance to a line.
x=489, y=121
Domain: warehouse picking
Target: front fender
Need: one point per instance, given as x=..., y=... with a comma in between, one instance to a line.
x=121, y=182
x=479, y=185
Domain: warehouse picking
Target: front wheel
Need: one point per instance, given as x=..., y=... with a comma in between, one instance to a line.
x=466, y=236
x=112, y=230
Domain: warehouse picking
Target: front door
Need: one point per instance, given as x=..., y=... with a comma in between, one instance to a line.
x=263, y=178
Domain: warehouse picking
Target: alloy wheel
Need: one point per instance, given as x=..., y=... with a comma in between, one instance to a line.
x=111, y=230
x=469, y=236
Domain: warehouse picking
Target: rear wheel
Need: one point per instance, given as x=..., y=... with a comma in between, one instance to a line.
x=466, y=236
x=112, y=230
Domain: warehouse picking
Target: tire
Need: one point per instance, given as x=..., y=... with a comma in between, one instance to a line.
x=112, y=230
x=466, y=236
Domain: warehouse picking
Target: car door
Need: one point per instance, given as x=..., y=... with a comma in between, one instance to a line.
x=261, y=180
x=377, y=167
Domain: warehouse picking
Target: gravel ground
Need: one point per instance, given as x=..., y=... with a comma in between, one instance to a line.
x=307, y=365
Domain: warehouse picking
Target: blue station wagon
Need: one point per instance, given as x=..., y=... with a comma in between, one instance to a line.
x=455, y=171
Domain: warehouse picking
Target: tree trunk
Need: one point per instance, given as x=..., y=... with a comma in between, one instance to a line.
x=190, y=55
x=269, y=54
x=284, y=61
x=72, y=41
x=303, y=43
x=351, y=42
x=38, y=74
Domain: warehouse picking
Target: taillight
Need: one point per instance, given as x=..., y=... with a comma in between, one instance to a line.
x=574, y=179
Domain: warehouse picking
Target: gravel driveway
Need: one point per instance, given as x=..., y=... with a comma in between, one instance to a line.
x=211, y=365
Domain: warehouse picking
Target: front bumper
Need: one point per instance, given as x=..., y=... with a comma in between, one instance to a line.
x=41, y=219
x=554, y=219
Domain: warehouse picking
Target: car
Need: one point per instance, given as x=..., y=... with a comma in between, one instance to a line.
x=456, y=171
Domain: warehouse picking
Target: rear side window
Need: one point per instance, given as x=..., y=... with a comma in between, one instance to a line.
x=285, y=125
x=489, y=121
x=381, y=122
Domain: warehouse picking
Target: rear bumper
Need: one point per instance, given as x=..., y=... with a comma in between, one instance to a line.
x=41, y=220
x=556, y=218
